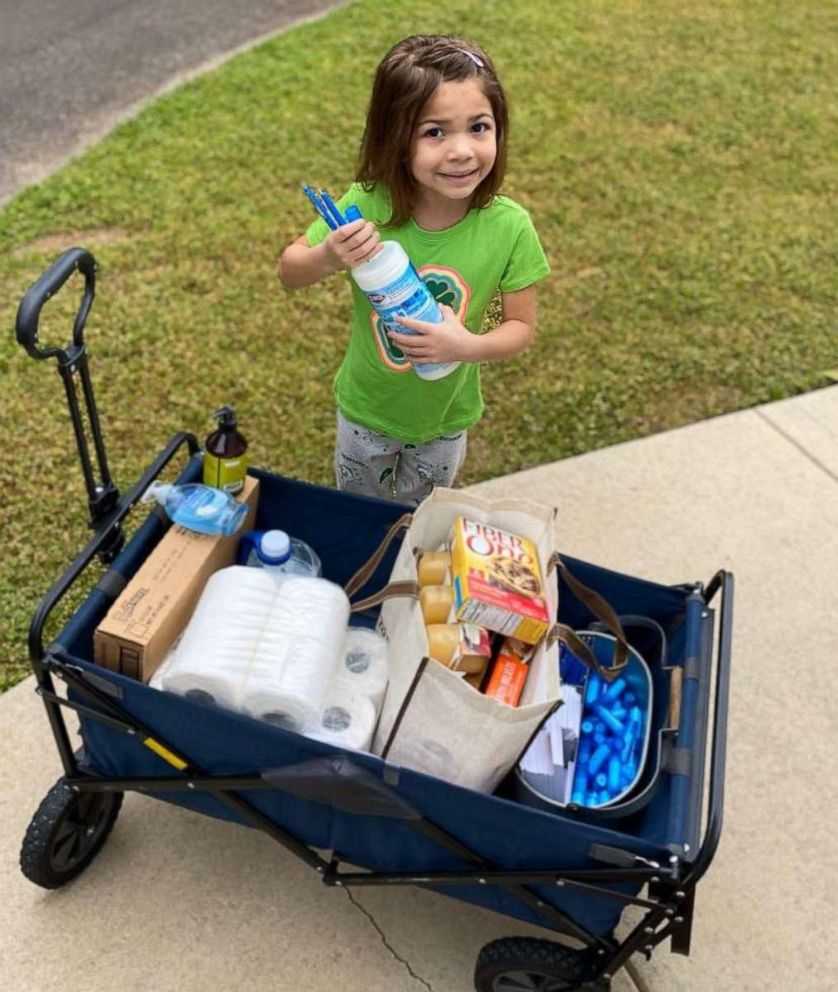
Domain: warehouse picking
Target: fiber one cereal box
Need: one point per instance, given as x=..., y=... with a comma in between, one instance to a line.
x=497, y=581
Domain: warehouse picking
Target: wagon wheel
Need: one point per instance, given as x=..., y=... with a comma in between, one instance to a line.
x=66, y=833
x=526, y=964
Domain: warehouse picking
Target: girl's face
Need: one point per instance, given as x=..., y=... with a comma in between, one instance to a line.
x=455, y=143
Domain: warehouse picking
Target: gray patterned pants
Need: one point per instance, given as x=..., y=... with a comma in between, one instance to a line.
x=374, y=464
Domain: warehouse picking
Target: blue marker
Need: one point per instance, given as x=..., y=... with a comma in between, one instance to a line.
x=580, y=782
x=332, y=207
x=598, y=758
x=328, y=209
x=320, y=207
x=609, y=719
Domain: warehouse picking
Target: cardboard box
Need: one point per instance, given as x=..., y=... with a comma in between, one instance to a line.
x=497, y=581
x=155, y=606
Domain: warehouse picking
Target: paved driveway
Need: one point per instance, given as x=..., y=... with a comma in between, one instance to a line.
x=72, y=69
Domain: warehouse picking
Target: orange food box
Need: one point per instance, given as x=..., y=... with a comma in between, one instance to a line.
x=507, y=679
x=509, y=671
x=497, y=581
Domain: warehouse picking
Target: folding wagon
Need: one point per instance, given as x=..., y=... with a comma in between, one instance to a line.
x=352, y=817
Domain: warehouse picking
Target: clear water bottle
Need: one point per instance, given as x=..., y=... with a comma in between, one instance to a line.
x=278, y=553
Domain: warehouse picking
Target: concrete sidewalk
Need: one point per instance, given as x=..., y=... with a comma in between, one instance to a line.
x=177, y=901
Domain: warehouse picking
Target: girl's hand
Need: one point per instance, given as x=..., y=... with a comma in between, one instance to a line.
x=351, y=244
x=435, y=344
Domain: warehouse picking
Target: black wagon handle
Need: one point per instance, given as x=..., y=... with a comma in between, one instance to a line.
x=102, y=493
x=46, y=286
x=722, y=582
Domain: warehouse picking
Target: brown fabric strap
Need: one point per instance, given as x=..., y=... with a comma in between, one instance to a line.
x=391, y=591
x=602, y=610
x=359, y=579
x=561, y=632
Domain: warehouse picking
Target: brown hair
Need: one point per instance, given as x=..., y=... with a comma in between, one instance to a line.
x=406, y=78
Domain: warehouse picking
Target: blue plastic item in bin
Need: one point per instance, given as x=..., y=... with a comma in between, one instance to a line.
x=612, y=740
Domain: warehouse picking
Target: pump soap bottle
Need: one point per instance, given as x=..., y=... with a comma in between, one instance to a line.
x=225, y=459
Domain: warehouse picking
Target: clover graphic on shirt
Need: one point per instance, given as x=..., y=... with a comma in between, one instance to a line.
x=441, y=292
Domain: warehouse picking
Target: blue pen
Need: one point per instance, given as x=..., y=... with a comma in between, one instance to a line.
x=332, y=207
x=319, y=207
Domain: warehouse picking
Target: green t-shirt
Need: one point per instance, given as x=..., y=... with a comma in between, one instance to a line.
x=489, y=249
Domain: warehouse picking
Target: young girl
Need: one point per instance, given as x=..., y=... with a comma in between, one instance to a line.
x=432, y=159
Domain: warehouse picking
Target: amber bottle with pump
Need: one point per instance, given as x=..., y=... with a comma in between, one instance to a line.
x=225, y=458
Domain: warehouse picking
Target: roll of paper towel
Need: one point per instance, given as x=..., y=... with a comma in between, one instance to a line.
x=348, y=719
x=364, y=667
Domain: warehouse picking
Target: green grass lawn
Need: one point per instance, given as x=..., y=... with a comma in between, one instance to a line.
x=677, y=157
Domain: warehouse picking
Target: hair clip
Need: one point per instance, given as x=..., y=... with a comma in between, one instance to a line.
x=478, y=62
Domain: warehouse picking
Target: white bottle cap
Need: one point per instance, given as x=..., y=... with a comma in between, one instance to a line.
x=275, y=547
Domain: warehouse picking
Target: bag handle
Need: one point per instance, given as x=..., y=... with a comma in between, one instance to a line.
x=602, y=610
x=363, y=574
x=595, y=603
x=390, y=591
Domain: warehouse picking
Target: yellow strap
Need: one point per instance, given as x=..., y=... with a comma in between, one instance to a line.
x=165, y=753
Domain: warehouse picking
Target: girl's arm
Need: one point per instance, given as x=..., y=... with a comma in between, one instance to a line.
x=513, y=335
x=450, y=341
x=302, y=264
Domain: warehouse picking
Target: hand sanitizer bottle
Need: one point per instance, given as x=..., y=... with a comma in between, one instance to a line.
x=203, y=509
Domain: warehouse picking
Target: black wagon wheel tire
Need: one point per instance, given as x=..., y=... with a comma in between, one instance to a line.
x=66, y=833
x=527, y=964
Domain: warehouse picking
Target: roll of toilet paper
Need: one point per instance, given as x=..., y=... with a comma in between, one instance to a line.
x=364, y=667
x=299, y=649
x=347, y=719
x=261, y=647
x=215, y=653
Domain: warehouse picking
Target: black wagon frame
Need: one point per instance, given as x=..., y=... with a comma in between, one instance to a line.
x=668, y=900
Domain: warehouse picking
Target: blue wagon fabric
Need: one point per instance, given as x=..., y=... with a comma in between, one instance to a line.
x=507, y=834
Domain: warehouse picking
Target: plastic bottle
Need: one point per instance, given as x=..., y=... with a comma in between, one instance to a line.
x=278, y=554
x=225, y=461
x=395, y=288
x=200, y=508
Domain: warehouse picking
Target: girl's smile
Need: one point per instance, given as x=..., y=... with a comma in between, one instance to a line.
x=460, y=177
x=454, y=148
